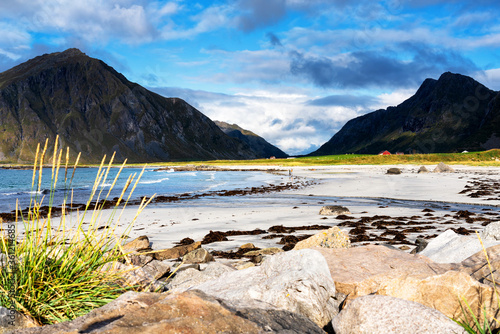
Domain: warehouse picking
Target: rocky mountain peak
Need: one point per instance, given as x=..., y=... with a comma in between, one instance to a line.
x=451, y=114
x=96, y=110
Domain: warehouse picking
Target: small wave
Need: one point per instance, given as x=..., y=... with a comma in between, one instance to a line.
x=15, y=193
x=155, y=181
x=189, y=173
x=214, y=186
x=41, y=192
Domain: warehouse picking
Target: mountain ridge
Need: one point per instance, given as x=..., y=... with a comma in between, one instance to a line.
x=96, y=111
x=257, y=143
x=451, y=114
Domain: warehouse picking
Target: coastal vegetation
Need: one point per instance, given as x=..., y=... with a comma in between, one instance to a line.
x=55, y=271
x=483, y=158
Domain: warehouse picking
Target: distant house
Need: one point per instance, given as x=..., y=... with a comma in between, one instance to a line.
x=385, y=153
x=400, y=153
x=272, y=158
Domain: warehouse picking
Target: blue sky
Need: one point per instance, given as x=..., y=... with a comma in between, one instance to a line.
x=293, y=71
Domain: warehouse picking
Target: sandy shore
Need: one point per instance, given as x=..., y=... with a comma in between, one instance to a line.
x=413, y=205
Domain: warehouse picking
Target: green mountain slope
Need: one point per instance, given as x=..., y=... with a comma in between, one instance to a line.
x=96, y=110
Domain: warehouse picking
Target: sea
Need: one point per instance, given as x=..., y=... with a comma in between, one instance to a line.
x=16, y=184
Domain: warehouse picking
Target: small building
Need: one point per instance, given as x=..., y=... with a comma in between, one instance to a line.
x=385, y=153
x=272, y=157
x=400, y=153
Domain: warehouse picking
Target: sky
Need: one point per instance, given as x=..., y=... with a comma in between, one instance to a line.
x=292, y=71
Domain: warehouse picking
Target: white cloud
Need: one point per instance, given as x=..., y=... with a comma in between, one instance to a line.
x=283, y=116
x=92, y=20
x=394, y=98
x=489, y=78
x=269, y=66
x=209, y=19
x=13, y=40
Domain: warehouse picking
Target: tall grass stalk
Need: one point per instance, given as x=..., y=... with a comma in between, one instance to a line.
x=471, y=322
x=59, y=274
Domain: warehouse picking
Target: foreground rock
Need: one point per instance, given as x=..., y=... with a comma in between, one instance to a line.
x=443, y=168
x=296, y=281
x=331, y=238
x=491, y=231
x=176, y=252
x=190, y=277
x=199, y=255
x=13, y=321
x=334, y=210
x=377, y=270
x=145, y=278
x=477, y=266
x=450, y=247
x=384, y=315
x=264, y=251
x=188, y=312
x=446, y=293
x=140, y=244
x=352, y=268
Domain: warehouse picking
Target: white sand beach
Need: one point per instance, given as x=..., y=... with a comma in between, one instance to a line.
x=366, y=190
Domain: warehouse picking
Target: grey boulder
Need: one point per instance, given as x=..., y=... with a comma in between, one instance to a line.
x=296, y=281
x=376, y=314
x=450, y=247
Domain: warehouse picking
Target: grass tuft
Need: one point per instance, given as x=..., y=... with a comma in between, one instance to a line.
x=470, y=321
x=58, y=273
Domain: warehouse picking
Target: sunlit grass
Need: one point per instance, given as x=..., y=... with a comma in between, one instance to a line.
x=471, y=321
x=58, y=275
x=484, y=158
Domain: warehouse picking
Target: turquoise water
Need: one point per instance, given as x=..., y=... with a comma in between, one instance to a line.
x=16, y=184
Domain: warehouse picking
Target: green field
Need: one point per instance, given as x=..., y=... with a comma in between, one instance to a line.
x=484, y=158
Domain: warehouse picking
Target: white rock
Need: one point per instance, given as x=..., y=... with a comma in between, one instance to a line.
x=376, y=314
x=190, y=277
x=450, y=247
x=491, y=231
x=12, y=321
x=297, y=281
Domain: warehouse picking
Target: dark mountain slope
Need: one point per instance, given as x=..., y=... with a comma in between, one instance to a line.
x=96, y=110
x=451, y=114
x=263, y=148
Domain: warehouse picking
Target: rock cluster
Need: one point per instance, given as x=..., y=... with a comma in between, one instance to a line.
x=315, y=288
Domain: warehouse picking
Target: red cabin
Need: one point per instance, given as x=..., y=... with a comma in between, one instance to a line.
x=385, y=153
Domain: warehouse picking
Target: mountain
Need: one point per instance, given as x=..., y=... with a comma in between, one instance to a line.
x=451, y=114
x=256, y=143
x=96, y=110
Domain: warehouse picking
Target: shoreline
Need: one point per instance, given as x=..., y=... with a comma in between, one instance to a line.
x=422, y=206
x=175, y=198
